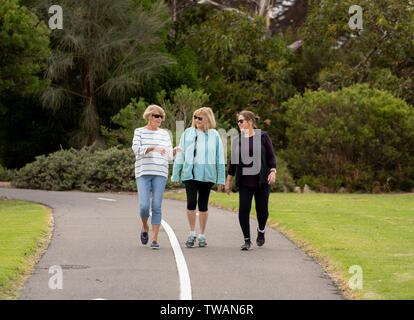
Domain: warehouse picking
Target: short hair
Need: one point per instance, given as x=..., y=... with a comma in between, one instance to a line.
x=248, y=115
x=151, y=109
x=208, y=117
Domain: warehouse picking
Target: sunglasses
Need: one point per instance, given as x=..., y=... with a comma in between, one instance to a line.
x=240, y=121
x=199, y=118
x=158, y=116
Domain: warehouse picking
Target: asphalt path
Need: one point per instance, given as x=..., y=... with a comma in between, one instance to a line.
x=96, y=244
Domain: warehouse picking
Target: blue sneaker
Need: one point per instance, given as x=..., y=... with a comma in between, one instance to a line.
x=155, y=245
x=202, y=241
x=144, y=237
x=190, y=242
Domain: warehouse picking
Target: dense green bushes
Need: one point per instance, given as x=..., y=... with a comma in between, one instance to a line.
x=6, y=174
x=86, y=170
x=358, y=138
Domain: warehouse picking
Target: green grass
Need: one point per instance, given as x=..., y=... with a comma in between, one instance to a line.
x=375, y=232
x=23, y=229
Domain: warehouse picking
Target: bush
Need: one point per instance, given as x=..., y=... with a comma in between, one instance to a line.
x=108, y=170
x=358, y=138
x=87, y=170
x=284, y=180
x=57, y=171
x=6, y=174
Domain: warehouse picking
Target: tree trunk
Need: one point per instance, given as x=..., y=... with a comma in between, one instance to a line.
x=174, y=10
x=264, y=4
x=89, y=127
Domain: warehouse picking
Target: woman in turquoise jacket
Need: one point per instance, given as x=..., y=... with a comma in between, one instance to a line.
x=201, y=165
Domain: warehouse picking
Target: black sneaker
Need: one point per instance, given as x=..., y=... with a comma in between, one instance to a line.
x=246, y=246
x=260, y=238
x=144, y=237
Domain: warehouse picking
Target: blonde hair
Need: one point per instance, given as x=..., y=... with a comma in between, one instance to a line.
x=208, y=118
x=151, y=109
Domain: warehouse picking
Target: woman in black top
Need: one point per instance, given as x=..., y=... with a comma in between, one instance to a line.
x=253, y=162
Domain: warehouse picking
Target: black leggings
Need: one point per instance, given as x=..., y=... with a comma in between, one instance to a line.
x=203, y=189
x=261, y=198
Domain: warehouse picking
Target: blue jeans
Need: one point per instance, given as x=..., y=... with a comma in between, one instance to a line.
x=145, y=184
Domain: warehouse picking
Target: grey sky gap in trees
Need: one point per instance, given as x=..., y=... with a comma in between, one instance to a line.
x=105, y=50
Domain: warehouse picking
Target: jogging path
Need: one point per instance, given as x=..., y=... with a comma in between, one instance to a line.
x=96, y=243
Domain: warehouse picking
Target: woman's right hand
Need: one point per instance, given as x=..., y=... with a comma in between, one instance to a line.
x=176, y=184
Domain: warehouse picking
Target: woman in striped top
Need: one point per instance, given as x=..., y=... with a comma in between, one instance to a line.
x=153, y=149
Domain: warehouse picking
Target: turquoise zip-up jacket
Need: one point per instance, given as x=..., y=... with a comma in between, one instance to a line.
x=208, y=163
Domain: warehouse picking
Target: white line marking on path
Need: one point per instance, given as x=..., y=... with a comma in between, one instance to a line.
x=106, y=199
x=183, y=274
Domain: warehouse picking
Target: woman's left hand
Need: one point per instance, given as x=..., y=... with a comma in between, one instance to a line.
x=220, y=188
x=272, y=177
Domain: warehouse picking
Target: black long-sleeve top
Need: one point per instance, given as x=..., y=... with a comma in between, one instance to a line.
x=252, y=180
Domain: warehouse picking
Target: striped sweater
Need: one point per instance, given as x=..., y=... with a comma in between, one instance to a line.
x=151, y=163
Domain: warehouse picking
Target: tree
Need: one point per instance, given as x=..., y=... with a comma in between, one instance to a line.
x=241, y=68
x=106, y=50
x=382, y=53
x=24, y=48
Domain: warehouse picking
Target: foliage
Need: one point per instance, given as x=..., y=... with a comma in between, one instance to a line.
x=127, y=119
x=358, y=138
x=185, y=72
x=334, y=56
x=86, y=169
x=106, y=50
x=284, y=180
x=182, y=106
x=185, y=102
x=27, y=130
x=6, y=174
x=242, y=68
x=24, y=48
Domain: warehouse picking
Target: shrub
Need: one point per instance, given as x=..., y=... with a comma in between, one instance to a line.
x=284, y=180
x=6, y=174
x=108, y=170
x=87, y=169
x=57, y=171
x=358, y=138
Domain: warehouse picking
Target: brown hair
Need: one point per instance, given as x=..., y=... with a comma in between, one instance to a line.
x=248, y=115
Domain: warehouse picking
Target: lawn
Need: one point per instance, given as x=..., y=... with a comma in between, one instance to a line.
x=24, y=231
x=375, y=232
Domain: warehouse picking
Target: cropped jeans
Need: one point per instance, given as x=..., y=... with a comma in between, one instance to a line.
x=146, y=184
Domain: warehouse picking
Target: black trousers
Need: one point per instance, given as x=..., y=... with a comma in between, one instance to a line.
x=192, y=187
x=261, y=198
